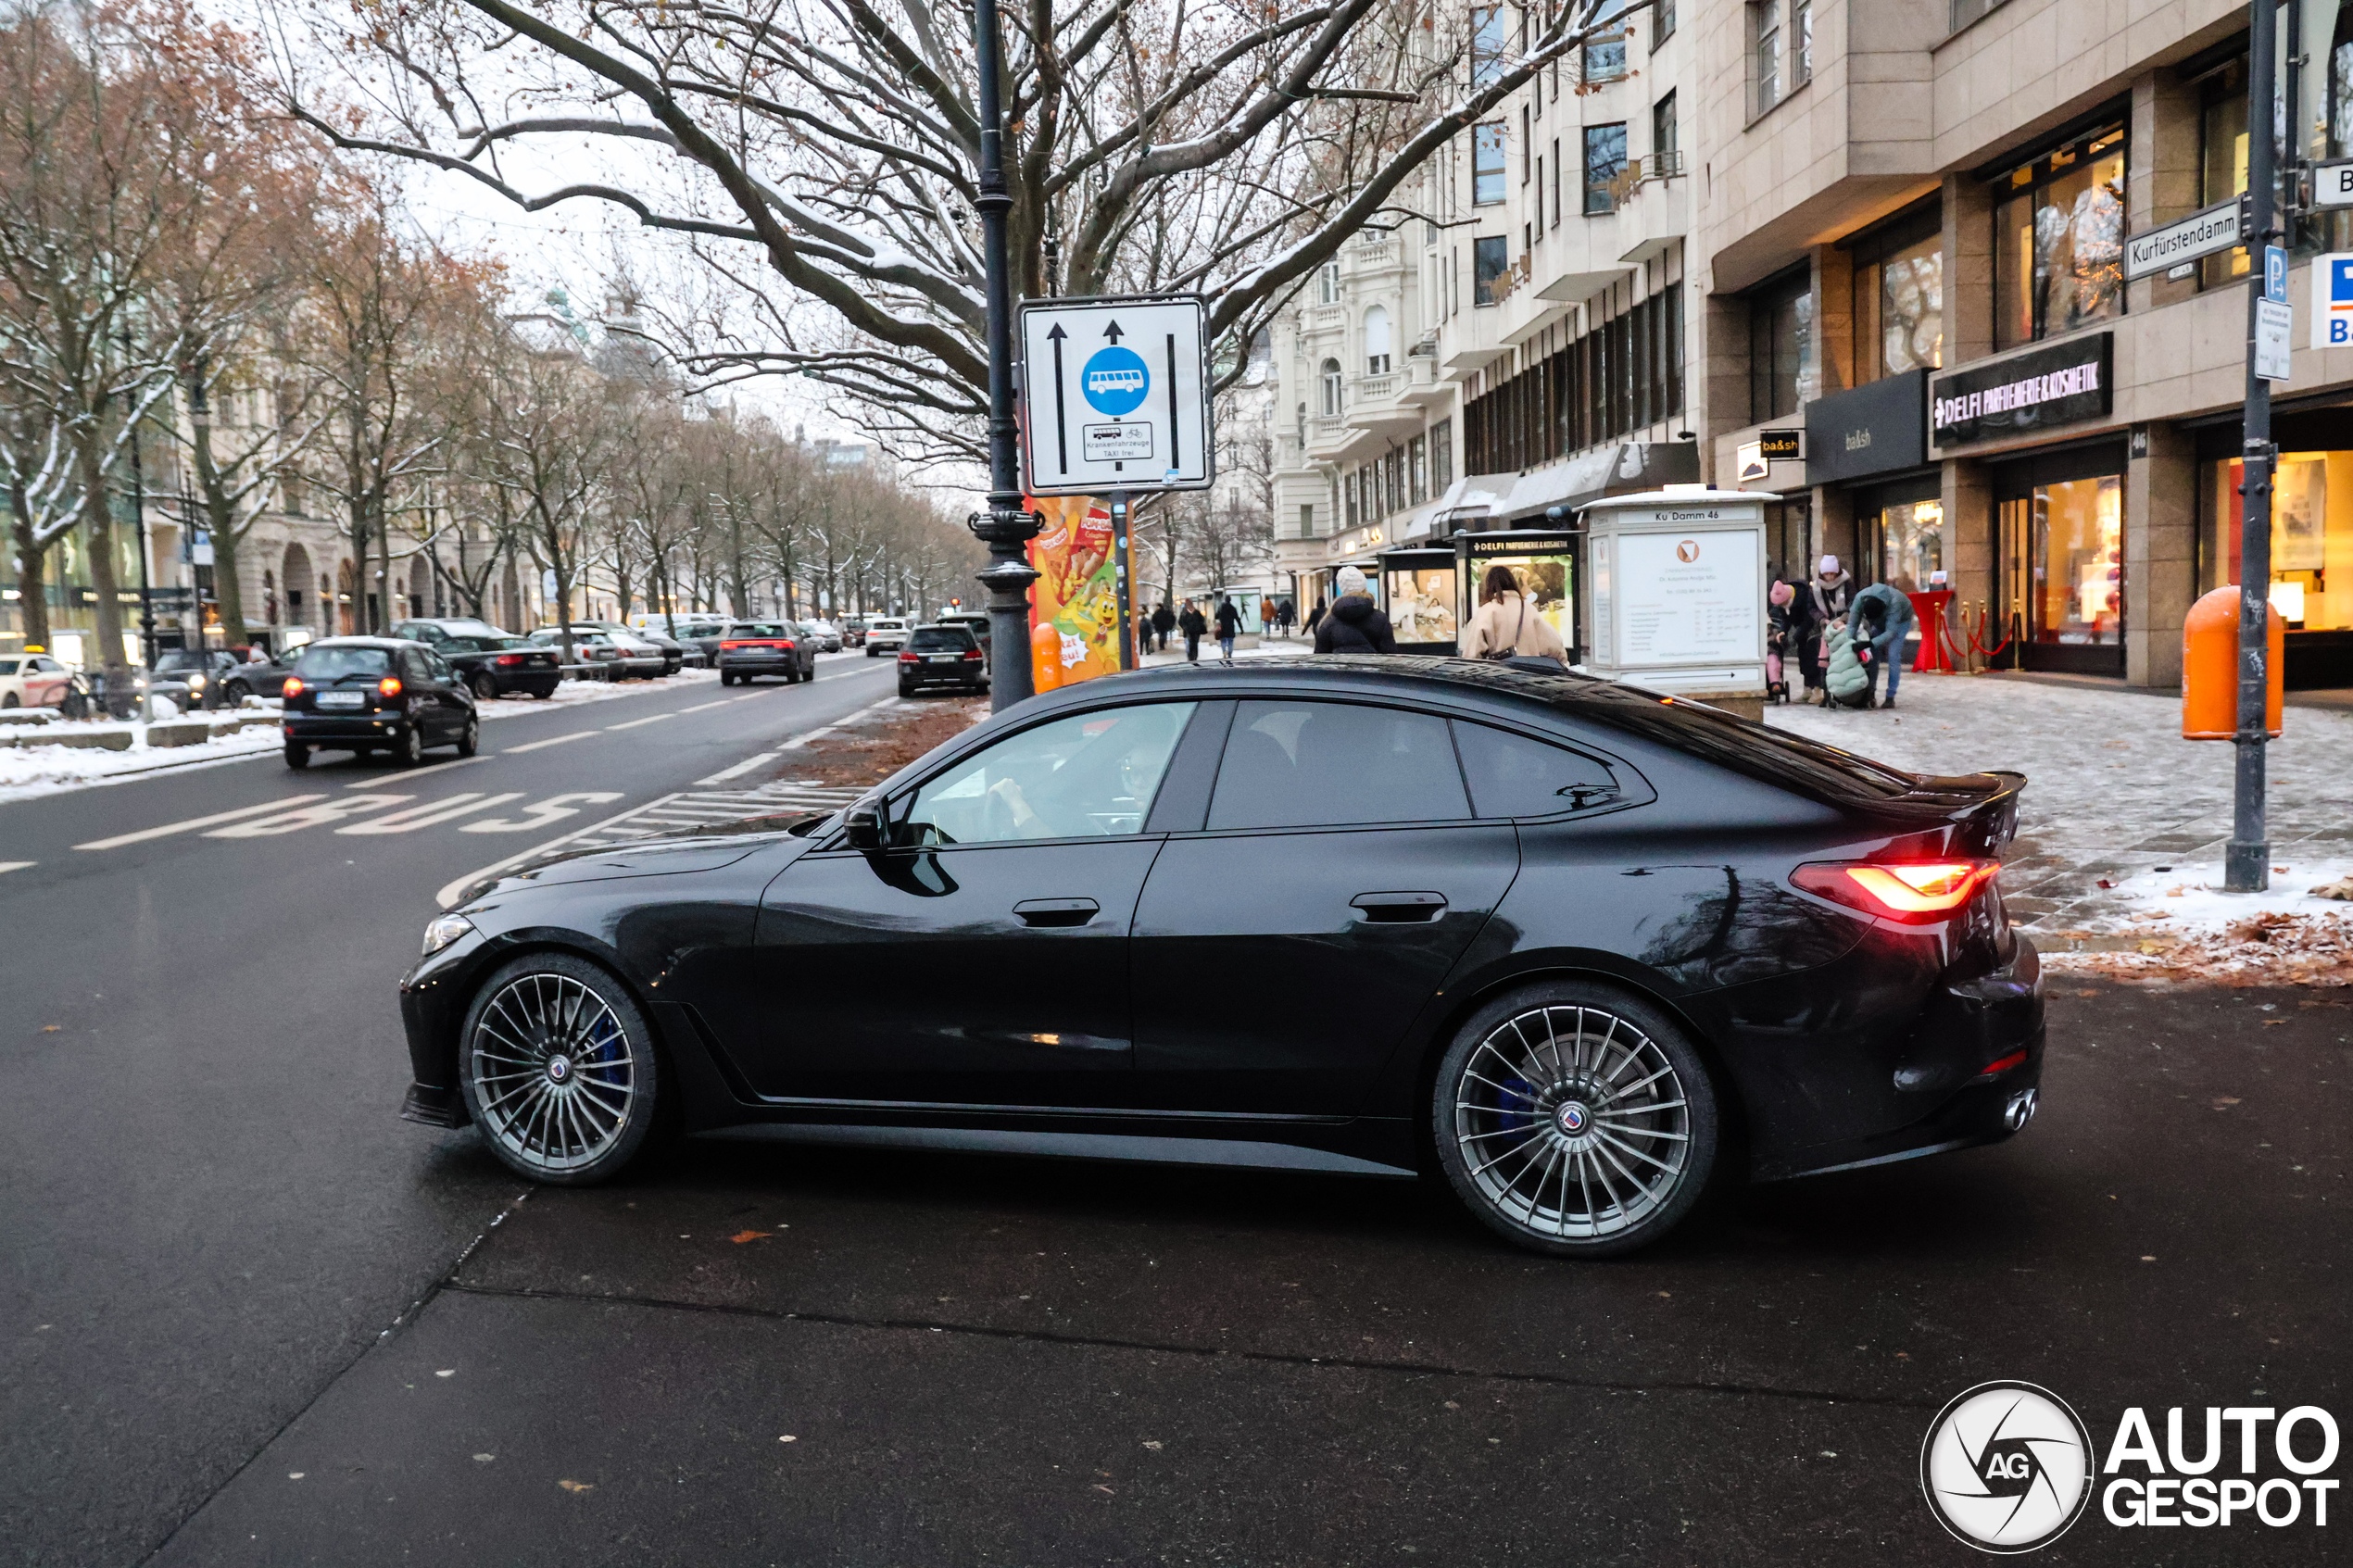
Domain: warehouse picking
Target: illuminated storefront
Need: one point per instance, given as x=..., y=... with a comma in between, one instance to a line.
x=2312, y=536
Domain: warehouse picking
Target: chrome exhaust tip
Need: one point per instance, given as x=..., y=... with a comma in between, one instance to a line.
x=2020, y=1110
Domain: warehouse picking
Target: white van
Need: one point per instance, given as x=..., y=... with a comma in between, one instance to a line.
x=885, y=631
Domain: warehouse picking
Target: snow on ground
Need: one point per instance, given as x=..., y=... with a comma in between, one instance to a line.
x=2122, y=822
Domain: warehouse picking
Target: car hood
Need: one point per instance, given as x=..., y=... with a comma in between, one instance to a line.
x=669, y=854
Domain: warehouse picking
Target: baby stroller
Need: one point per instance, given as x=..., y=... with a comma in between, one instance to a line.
x=1776, y=642
x=1846, y=680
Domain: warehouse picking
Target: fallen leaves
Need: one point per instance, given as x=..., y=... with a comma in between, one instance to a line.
x=2341, y=888
x=2222, y=1100
x=742, y=1237
x=578, y=1487
x=2273, y=948
x=51, y=1028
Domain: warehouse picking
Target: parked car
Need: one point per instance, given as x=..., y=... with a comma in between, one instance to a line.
x=369, y=694
x=972, y=620
x=853, y=632
x=221, y=678
x=33, y=679
x=828, y=635
x=491, y=663
x=942, y=656
x=752, y=649
x=675, y=655
x=884, y=633
x=696, y=635
x=619, y=655
x=1575, y=945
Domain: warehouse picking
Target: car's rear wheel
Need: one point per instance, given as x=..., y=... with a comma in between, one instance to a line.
x=1575, y=1119
x=906, y=688
x=485, y=687
x=298, y=755
x=559, y=1071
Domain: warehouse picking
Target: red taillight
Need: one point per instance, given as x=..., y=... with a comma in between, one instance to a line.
x=724, y=646
x=292, y=689
x=972, y=653
x=1913, y=891
x=786, y=647
x=388, y=686
x=1996, y=1069
x=507, y=660
x=908, y=658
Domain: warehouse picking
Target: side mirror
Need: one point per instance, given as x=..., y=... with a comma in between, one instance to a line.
x=863, y=823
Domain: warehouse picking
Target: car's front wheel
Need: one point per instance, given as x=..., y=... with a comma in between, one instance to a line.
x=408, y=747
x=470, y=738
x=558, y=1068
x=1575, y=1119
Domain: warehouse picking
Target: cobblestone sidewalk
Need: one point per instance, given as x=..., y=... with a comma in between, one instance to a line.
x=2114, y=795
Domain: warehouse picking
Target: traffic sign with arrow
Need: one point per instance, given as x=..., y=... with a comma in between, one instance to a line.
x=1115, y=395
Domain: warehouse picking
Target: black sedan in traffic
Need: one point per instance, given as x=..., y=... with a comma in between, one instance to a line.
x=492, y=663
x=1580, y=947
x=754, y=648
x=942, y=656
x=376, y=694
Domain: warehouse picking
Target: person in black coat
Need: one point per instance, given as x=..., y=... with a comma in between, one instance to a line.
x=1229, y=625
x=1356, y=625
x=1163, y=621
x=1195, y=627
x=1314, y=617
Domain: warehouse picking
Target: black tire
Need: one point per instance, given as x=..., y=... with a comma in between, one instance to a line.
x=470, y=738
x=873, y=652
x=407, y=748
x=11, y=701
x=1511, y=1097
x=485, y=687
x=238, y=693
x=726, y=679
x=545, y=695
x=580, y=1121
x=906, y=689
x=297, y=756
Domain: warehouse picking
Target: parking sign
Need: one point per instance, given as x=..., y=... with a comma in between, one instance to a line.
x=2333, y=300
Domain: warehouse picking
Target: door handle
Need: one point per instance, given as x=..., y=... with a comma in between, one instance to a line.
x=1056, y=911
x=1399, y=908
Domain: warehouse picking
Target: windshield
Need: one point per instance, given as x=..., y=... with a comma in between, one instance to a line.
x=939, y=639
x=333, y=664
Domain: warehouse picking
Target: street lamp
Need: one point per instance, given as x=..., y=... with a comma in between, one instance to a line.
x=1005, y=527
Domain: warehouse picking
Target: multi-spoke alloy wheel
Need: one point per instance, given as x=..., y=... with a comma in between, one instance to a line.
x=558, y=1069
x=1575, y=1119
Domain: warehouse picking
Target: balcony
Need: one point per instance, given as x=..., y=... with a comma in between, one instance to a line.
x=1322, y=318
x=1368, y=257
x=1392, y=402
x=1329, y=437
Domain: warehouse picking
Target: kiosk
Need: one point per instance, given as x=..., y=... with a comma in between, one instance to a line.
x=1543, y=560
x=1678, y=593
x=1418, y=595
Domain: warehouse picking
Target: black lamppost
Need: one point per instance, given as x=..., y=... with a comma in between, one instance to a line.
x=2247, y=866
x=1005, y=527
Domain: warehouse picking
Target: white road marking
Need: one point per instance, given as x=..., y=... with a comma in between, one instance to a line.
x=551, y=740
x=548, y=812
x=649, y=718
x=417, y=775
x=807, y=735
x=746, y=766
x=310, y=816
x=431, y=814
x=450, y=891
x=16, y=865
x=700, y=705
x=193, y=823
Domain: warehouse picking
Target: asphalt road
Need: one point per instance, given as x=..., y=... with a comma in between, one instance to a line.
x=282, y=1327
x=208, y=1205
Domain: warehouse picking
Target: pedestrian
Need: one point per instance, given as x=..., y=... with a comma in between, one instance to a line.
x=1195, y=628
x=1506, y=625
x=1356, y=625
x=1286, y=617
x=1314, y=617
x=1229, y=625
x=1824, y=606
x=1164, y=623
x=1881, y=616
x=1780, y=617
x=1266, y=619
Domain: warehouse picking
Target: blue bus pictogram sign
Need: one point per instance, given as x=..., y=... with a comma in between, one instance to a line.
x=1117, y=380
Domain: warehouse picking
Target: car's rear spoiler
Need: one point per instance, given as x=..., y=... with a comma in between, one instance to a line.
x=1982, y=807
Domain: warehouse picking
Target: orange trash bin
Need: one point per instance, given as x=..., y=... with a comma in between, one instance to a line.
x=2210, y=668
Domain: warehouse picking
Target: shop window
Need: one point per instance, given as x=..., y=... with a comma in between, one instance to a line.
x=2063, y=550
x=1489, y=261
x=1605, y=161
x=1911, y=546
x=2059, y=241
x=2312, y=536
x=1899, y=297
x=1487, y=163
x=1780, y=347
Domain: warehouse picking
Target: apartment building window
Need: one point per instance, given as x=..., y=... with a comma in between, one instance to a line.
x=1490, y=259
x=1605, y=161
x=1442, y=456
x=1662, y=22
x=1377, y=350
x=2222, y=159
x=1780, y=345
x=1968, y=11
x=1487, y=163
x=1604, y=58
x=1540, y=198
x=1307, y=520
x=1418, y=470
x=1899, y=295
x=1302, y=427
x=1486, y=43
x=1327, y=283
x=1526, y=145
x=1625, y=375
x=1556, y=182
x=1784, y=34
x=1666, y=145
x=1331, y=380
x=2058, y=240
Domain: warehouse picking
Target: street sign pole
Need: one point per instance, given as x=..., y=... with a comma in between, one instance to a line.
x=2246, y=862
x=1123, y=590
x=1006, y=528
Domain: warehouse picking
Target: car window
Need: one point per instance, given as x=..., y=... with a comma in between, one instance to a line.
x=435, y=665
x=1080, y=777
x=1323, y=764
x=8, y=666
x=1514, y=776
x=940, y=639
x=329, y=664
x=413, y=666
x=761, y=629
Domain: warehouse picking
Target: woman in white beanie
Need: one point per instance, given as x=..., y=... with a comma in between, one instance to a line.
x=1356, y=623
x=1825, y=603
